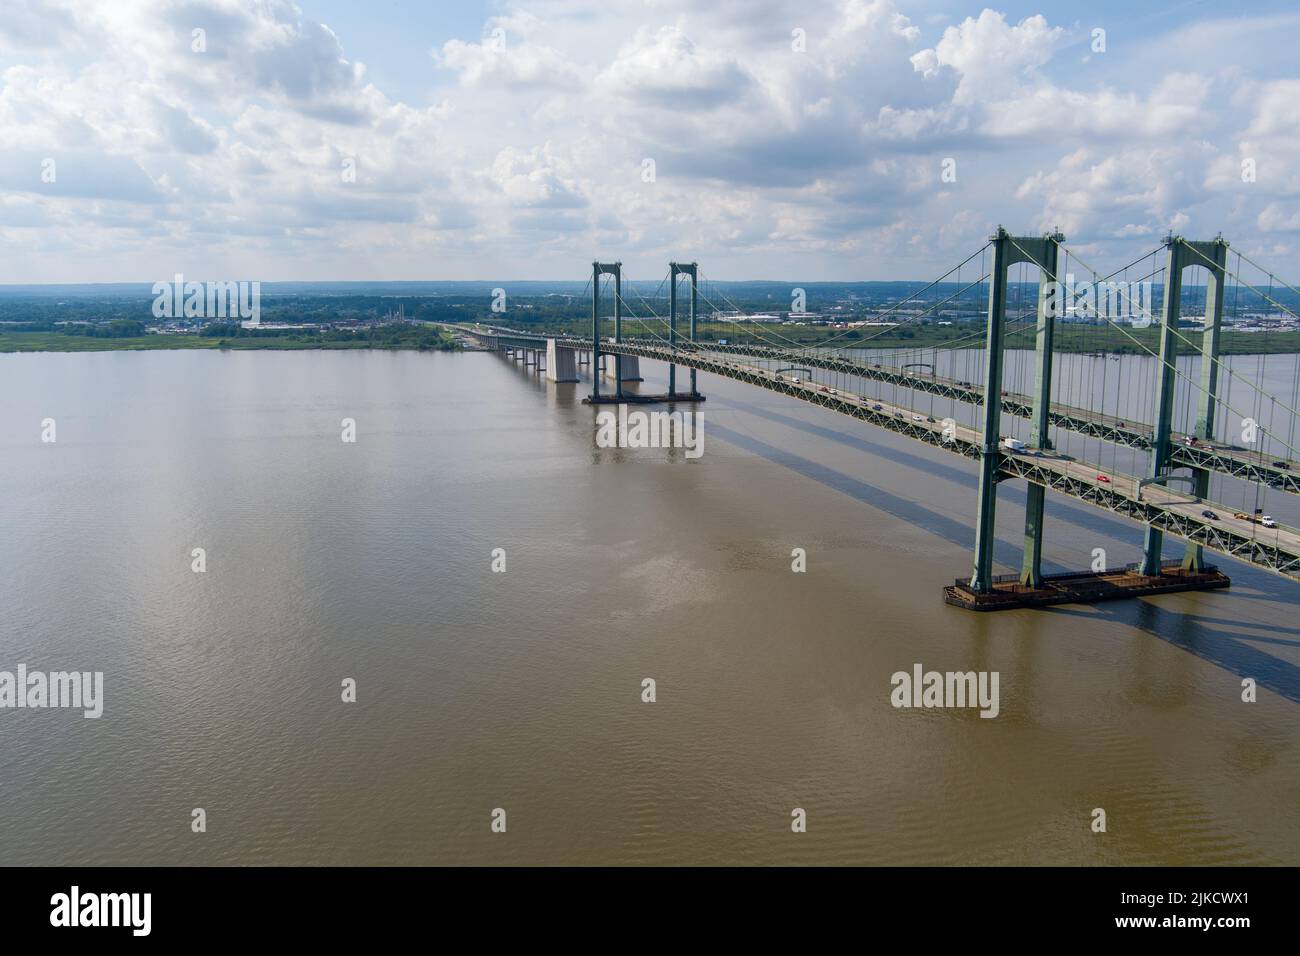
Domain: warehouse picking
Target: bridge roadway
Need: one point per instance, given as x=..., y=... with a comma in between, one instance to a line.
x=1215, y=456
x=1275, y=549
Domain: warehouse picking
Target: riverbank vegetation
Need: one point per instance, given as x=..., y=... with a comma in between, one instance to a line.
x=230, y=336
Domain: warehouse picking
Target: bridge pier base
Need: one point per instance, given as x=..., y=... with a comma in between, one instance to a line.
x=1006, y=593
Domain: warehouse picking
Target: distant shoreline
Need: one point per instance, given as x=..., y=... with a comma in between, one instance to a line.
x=1069, y=341
x=15, y=342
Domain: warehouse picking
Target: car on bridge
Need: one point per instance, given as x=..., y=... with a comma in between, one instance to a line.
x=1258, y=518
x=1104, y=479
x=1209, y=514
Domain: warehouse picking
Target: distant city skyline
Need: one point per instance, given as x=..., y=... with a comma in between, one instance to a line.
x=820, y=140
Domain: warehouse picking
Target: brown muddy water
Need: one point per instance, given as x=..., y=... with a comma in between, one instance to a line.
x=522, y=690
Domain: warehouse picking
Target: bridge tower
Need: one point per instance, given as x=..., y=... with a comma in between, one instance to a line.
x=1007, y=252
x=675, y=269
x=1182, y=253
x=599, y=269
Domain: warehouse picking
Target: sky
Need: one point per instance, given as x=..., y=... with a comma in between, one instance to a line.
x=265, y=140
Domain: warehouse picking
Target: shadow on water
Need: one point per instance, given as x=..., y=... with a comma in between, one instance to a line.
x=950, y=529
x=1062, y=509
x=1201, y=635
x=1194, y=633
x=1088, y=519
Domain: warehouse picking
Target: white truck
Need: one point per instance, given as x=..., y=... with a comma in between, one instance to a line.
x=1013, y=445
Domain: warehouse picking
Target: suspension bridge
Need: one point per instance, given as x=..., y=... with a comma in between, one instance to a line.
x=1069, y=430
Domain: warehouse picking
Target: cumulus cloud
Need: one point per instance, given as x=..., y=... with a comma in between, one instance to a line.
x=34, y=25
x=523, y=67
x=533, y=180
x=787, y=137
x=665, y=69
x=1117, y=193
x=988, y=55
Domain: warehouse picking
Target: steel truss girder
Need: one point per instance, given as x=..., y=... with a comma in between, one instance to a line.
x=1209, y=459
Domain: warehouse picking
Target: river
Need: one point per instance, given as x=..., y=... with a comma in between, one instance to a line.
x=371, y=561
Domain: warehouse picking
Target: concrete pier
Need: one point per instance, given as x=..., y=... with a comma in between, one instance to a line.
x=631, y=368
x=560, y=363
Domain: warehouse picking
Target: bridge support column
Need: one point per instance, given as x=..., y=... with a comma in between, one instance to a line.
x=1049, y=291
x=560, y=365
x=985, y=529
x=1177, y=260
x=618, y=332
x=694, y=339
x=1207, y=402
x=672, y=326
